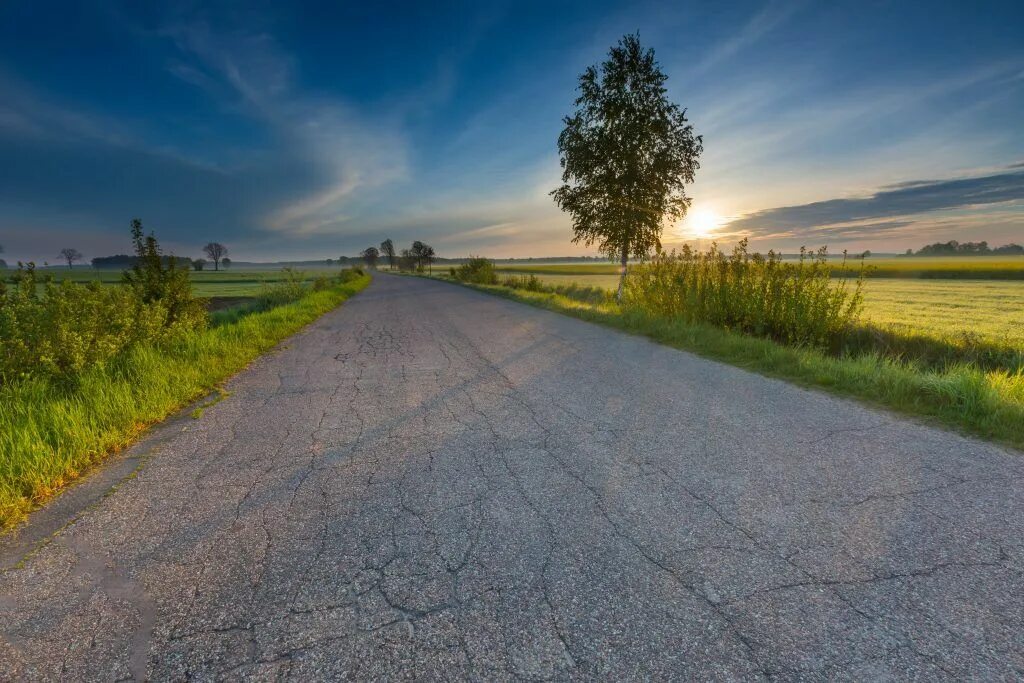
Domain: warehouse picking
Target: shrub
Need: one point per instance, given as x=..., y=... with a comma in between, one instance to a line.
x=350, y=274
x=64, y=329
x=154, y=278
x=794, y=303
x=477, y=270
x=321, y=283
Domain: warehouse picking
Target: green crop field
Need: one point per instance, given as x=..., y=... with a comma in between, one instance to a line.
x=206, y=283
x=939, y=267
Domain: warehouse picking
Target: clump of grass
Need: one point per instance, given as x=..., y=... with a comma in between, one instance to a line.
x=531, y=283
x=51, y=432
x=794, y=303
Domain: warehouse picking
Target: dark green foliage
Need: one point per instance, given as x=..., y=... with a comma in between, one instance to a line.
x=217, y=253
x=477, y=270
x=387, y=249
x=954, y=248
x=156, y=280
x=421, y=254
x=370, y=256
x=627, y=153
x=289, y=288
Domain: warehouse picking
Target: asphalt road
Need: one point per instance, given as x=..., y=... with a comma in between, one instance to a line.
x=431, y=482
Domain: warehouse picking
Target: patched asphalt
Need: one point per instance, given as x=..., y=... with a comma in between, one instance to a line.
x=434, y=483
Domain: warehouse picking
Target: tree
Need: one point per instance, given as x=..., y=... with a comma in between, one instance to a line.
x=70, y=255
x=423, y=254
x=627, y=154
x=216, y=251
x=865, y=254
x=226, y=262
x=387, y=248
x=198, y=264
x=330, y=262
x=370, y=255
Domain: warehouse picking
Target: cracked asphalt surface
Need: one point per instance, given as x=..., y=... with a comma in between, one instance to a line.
x=432, y=482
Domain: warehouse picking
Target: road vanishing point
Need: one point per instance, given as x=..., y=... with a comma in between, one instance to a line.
x=431, y=482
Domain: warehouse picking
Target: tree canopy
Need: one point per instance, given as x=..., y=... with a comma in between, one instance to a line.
x=627, y=153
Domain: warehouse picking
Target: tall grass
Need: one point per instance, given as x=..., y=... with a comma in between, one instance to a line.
x=794, y=303
x=50, y=431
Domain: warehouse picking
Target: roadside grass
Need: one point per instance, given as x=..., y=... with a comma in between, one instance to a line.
x=50, y=433
x=954, y=309
x=960, y=395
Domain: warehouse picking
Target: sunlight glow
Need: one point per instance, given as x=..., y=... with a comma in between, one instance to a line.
x=700, y=223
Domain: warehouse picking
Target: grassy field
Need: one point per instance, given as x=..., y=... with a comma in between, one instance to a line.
x=50, y=432
x=205, y=283
x=949, y=267
x=992, y=309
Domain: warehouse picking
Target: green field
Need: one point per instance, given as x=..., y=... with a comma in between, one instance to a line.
x=207, y=283
x=992, y=309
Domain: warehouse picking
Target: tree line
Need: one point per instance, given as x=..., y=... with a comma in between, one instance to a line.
x=954, y=248
x=419, y=257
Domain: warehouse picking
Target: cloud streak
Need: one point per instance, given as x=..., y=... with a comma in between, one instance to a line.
x=847, y=216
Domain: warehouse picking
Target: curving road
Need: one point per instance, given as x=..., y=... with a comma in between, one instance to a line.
x=431, y=482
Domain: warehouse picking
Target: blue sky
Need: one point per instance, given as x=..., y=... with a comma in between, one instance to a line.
x=309, y=130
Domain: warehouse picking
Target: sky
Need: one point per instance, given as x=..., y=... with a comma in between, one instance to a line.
x=308, y=130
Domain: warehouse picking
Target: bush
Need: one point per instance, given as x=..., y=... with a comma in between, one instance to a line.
x=350, y=274
x=156, y=278
x=477, y=270
x=64, y=329
x=794, y=303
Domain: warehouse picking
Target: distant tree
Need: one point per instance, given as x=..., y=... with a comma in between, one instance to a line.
x=910, y=252
x=865, y=254
x=1009, y=249
x=627, y=154
x=423, y=254
x=216, y=251
x=387, y=248
x=343, y=260
x=330, y=262
x=226, y=262
x=370, y=255
x=70, y=255
x=198, y=264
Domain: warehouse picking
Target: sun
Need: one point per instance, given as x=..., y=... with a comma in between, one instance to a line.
x=701, y=223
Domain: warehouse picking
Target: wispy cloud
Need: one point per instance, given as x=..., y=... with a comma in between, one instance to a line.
x=847, y=217
x=349, y=153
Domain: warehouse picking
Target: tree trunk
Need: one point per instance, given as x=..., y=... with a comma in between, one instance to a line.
x=216, y=264
x=622, y=273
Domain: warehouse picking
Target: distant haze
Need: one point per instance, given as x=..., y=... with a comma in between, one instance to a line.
x=292, y=133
